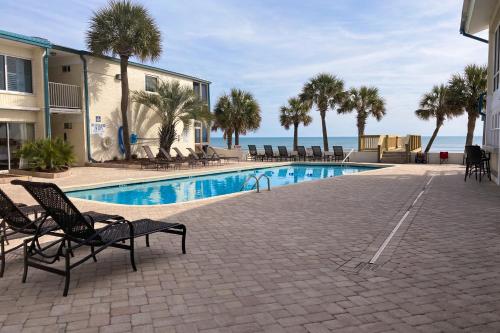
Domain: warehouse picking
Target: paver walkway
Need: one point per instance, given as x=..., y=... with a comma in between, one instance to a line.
x=290, y=260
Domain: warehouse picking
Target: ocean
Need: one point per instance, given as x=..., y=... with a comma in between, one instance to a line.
x=442, y=143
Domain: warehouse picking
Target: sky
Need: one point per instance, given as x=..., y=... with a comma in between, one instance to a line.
x=272, y=47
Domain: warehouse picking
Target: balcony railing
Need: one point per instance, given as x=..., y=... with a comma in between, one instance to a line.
x=65, y=96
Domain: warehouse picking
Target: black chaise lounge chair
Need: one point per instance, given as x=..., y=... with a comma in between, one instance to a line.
x=197, y=158
x=78, y=229
x=302, y=153
x=317, y=153
x=16, y=218
x=152, y=160
x=191, y=161
x=170, y=159
x=268, y=152
x=283, y=153
x=214, y=158
x=254, y=154
x=338, y=153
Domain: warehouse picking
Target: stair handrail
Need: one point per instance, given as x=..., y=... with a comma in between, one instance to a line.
x=246, y=182
x=346, y=157
x=268, y=181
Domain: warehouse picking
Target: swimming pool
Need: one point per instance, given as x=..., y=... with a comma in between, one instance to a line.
x=207, y=186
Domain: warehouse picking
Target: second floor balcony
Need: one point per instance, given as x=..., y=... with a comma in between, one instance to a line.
x=65, y=98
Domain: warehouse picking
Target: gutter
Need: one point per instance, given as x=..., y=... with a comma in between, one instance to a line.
x=87, y=113
x=462, y=31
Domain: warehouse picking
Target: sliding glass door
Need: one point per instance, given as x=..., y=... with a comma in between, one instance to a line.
x=4, y=148
x=12, y=137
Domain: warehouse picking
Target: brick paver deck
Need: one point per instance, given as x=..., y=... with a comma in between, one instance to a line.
x=290, y=260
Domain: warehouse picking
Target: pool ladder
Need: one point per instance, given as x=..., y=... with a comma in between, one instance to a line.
x=346, y=157
x=257, y=182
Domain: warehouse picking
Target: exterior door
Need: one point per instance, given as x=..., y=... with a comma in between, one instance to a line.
x=4, y=149
x=12, y=137
x=19, y=133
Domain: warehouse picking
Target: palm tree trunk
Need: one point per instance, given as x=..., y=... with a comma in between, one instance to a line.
x=167, y=136
x=236, y=137
x=229, y=136
x=434, y=134
x=124, y=105
x=295, y=136
x=471, y=125
x=361, y=132
x=325, y=134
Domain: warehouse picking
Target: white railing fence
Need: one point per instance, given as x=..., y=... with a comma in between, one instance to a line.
x=65, y=96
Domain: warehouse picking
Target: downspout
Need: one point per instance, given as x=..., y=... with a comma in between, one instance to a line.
x=46, y=92
x=209, y=127
x=87, y=113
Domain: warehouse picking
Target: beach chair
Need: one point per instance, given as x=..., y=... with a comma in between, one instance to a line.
x=253, y=153
x=214, y=158
x=283, y=153
x=170, y=159
x=338, y=153
x=79, y=230
x=16, y=221
x=317, y=153
x=152, y=160
x=188, y=159
x=268, y=152
x=197, y=158
x=302, y=153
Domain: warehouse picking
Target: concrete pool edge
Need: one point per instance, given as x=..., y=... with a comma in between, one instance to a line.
x=196, y=173
x=376, y=167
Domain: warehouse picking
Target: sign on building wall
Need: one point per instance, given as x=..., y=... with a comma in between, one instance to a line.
x=97, y=129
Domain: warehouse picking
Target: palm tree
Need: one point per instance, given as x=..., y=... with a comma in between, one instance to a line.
x=434, y=104
x=174, y=104
x=295, y=113
x=246, y=113
x=223, y=114
x=326, y=91
x=126, y=30
x=366, y=101
x=236, y=113
x=464, y=92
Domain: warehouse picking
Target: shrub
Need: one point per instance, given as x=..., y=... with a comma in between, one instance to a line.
x=47, y=154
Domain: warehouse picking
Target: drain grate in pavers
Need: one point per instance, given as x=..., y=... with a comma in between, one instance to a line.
x=366, y=267
x=362, y=267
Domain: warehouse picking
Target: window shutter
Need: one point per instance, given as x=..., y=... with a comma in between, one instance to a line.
x=19, y=75
x=12, y=74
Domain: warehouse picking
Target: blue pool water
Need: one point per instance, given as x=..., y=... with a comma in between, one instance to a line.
x=200, y=187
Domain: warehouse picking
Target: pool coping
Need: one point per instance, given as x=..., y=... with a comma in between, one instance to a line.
x=377, y=166
x=193, y=173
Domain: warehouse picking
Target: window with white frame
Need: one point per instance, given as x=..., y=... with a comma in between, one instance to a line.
x=496, y=60
x=15, y=74
x=151, y=83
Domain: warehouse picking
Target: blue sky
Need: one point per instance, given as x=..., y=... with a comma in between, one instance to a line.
x=272, y=47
